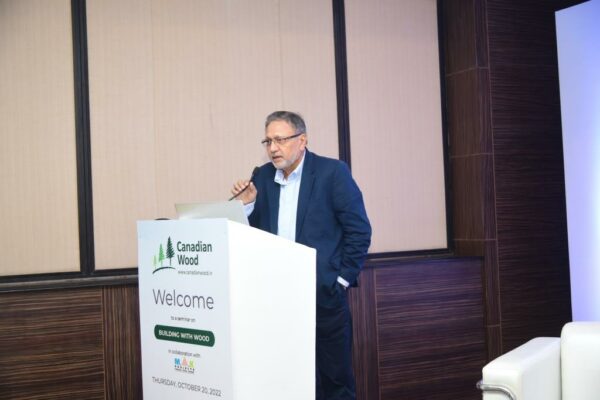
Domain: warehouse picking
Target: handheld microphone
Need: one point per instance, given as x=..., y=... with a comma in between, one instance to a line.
x=254, y=172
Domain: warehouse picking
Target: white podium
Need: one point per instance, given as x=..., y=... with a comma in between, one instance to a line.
x=226, y=312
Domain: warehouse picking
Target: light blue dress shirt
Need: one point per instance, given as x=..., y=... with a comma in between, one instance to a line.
x=288, y=201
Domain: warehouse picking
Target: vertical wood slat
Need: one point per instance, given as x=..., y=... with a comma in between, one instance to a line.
x=471, y=143
x=122, y=347
x=364, y=324
x=51, y=345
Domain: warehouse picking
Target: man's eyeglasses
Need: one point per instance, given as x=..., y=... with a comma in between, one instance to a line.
x=278, y=140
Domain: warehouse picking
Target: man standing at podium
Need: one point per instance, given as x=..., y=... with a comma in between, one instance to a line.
x=314, y=201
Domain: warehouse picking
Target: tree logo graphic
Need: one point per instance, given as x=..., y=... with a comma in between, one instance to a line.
x=159, y=260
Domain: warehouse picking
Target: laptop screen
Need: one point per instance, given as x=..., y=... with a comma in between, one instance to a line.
x=232, y=210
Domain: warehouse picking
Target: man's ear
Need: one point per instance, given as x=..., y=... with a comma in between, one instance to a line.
x=304, y=140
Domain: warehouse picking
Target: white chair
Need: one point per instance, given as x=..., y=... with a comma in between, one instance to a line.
x=565, y=368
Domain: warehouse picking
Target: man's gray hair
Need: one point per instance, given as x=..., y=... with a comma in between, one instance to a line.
x=294, y=119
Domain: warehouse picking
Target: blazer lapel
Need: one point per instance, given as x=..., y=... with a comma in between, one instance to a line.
x=306, y=187
x=273, y=199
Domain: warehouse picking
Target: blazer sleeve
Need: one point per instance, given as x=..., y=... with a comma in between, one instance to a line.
x=351, y=214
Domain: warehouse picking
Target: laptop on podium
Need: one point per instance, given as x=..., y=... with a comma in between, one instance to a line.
x=232, y=210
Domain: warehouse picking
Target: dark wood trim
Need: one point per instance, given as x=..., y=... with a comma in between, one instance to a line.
x=70, y=280
x=28, y=283
x=445, y=136
x=341, y=80
x=82, y=124
x=562, y=4
x=409, y=255
x=415, y=259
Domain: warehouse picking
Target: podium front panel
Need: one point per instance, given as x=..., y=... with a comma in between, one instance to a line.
x=184, y=309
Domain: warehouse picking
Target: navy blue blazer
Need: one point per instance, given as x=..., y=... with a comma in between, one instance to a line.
x=331, y=218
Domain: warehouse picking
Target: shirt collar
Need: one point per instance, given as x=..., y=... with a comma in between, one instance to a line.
x=296, y=174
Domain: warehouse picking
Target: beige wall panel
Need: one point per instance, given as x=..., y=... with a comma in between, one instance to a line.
x=395, y=121
x=308, y=71
x=213, y=75
x=205, y=75
x=38, y=207
x=122, y=126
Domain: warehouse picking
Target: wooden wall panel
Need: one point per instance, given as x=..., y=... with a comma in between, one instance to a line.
x=533, y=266
x=51, y=345
x=471, y=147
x=418, y=332
x=431, y=336
x=469, y=112
x=509, y=203
x=521, y=32
x=122, y=346
x=365, y=356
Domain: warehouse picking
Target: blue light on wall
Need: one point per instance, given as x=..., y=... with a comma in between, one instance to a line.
x=578, y=37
